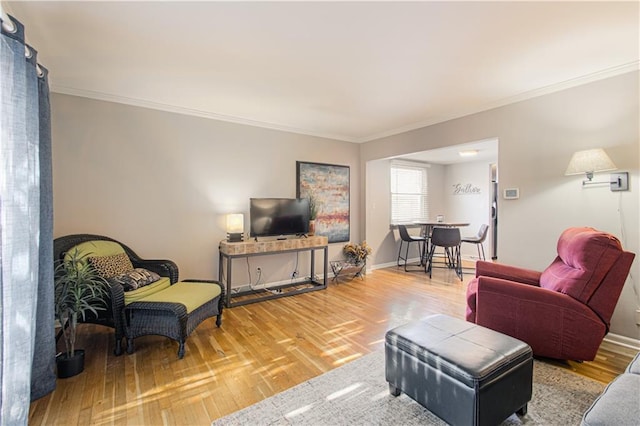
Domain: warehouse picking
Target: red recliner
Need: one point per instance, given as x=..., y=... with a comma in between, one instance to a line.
x=562, y=312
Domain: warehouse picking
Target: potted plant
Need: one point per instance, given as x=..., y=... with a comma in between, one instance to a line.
x=78, y=289
x=357, y=253
x=313, y=213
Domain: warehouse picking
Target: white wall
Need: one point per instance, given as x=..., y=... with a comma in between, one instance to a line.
x=385, y=243
x=378, y=213
x=470, y=203
x=438, y=203
x=162, y=182
x=537, y=138
x=442, y=179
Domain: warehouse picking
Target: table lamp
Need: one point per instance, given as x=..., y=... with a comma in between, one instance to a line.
x=235, y=227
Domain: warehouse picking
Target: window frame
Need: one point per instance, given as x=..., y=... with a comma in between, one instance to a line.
x=424, y=193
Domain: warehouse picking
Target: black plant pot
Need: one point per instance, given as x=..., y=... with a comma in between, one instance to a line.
x=70, y=366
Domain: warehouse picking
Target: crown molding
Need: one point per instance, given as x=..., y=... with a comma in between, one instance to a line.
x=143, y=103
x=557, y=87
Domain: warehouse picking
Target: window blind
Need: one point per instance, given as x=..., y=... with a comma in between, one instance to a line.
x=409, y=195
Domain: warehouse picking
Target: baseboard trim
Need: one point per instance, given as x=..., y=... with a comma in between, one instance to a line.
x=417, y=260
x=383, y=265
x=624, y=341
x=390, y=264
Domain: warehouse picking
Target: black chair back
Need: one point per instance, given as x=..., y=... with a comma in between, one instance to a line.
x=404, y=233
x=446, y=237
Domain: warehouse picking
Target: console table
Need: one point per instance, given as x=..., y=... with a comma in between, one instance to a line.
x=244, y=249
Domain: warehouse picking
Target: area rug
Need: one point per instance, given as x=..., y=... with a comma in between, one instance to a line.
x=357, y=394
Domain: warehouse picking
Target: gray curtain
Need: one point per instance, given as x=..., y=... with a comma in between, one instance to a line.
x=26, y=229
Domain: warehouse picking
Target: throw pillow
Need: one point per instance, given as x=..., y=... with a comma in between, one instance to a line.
x=135, y=279
x=110, y=266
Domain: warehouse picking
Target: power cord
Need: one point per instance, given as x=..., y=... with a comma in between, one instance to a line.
x=259, y=272
x=295, y=272
x=623, y=240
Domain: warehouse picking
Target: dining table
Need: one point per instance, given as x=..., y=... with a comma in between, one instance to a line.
x=428, y=225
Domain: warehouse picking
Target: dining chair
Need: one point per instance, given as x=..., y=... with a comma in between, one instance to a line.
x=407, y=238
x=449, y=239
x=478, y=240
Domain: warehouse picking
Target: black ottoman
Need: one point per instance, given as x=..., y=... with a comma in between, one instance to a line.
x=464, y=373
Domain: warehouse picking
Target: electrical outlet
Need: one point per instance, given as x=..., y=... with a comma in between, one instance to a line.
x=259, y=270
x=638, y=316
x=294, y=274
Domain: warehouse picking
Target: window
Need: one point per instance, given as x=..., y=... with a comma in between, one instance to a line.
x=409, y=201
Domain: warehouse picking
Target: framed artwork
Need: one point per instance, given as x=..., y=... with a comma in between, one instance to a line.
x=328, y=186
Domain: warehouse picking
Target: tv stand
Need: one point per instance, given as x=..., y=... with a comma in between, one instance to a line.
x=245, y=249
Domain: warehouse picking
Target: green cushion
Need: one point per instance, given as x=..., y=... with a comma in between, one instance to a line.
x=96, y=248
x=192, y=295
x=142, y=292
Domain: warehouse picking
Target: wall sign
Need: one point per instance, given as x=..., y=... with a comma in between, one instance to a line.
x=466, y=189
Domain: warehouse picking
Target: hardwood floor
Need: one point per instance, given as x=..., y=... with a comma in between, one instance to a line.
x=260, y=350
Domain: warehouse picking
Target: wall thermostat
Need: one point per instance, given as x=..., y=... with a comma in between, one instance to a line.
x=511, y=194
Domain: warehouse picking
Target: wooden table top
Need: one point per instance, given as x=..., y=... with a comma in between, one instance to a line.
x=445, y=224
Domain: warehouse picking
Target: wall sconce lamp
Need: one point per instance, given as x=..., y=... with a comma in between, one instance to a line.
x=593, y=161
x=235, y=227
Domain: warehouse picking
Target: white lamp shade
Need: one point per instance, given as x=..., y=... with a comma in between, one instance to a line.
x=589, y=161
x=235, y=223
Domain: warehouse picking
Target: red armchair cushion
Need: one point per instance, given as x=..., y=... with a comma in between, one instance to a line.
x=584, y=258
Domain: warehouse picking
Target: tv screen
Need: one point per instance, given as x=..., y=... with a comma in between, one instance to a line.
x=278, y=216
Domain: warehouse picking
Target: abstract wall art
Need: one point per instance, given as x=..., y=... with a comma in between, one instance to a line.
x=328, y=186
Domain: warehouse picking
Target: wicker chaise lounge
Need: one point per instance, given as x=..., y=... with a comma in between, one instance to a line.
x=155, y=302
x=174, y=312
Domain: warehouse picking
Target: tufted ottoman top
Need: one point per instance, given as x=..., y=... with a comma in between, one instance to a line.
x=462, y=350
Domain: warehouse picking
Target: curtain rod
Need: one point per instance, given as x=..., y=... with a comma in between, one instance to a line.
x=7, y=23
x=9, y=26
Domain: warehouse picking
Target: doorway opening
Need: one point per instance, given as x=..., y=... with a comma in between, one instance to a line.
x=460, y=188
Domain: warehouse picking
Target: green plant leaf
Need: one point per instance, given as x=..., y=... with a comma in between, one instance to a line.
x=78, y=290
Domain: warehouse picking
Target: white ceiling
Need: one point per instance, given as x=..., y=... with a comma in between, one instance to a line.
x=351, y=71
x=486, y=151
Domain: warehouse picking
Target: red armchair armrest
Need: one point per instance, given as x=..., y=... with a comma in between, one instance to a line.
x=507, y=272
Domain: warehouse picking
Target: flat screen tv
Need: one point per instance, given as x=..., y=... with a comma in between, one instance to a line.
x=278, y=216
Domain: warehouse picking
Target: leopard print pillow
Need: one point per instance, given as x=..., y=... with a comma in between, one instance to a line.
x=110, y=266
